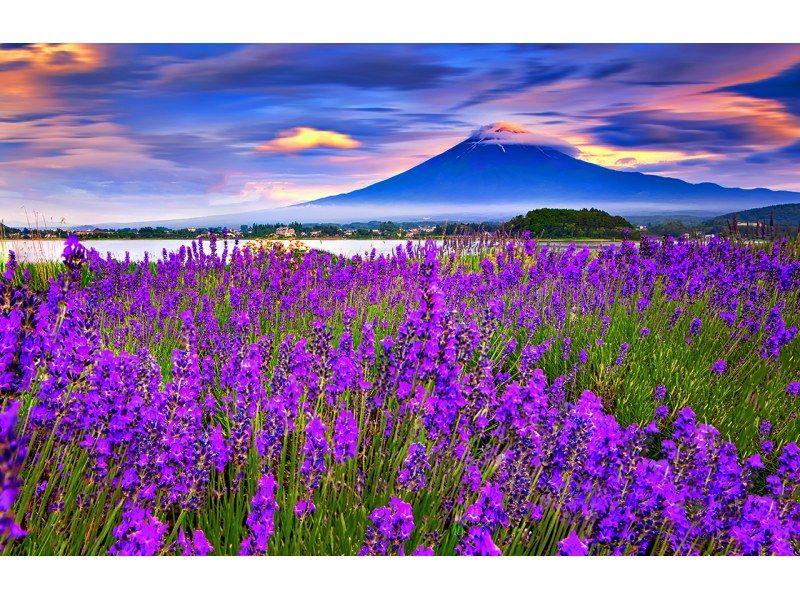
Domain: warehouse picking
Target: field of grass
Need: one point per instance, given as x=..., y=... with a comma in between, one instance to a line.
x=472, y=399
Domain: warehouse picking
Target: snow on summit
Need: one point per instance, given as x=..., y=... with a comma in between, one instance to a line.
x=501, y=132
x=505, y=132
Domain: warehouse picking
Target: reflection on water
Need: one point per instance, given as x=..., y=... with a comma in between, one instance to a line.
x=50, y=250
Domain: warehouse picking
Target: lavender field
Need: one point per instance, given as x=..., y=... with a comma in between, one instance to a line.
x=492, y=398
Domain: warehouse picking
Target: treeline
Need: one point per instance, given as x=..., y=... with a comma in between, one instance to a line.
x=556, y=223
x=770, y=222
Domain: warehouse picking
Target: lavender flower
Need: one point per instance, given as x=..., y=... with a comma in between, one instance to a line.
x=572, y=545
x=12, y=455
x=197, y=545
x=412, y=473
x=140, y=534
x=261, y=520
x=345, y=437
x=389, y=529
x=481, y=519
x=314, y=451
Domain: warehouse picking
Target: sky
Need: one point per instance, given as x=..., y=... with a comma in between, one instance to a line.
x=126, y=133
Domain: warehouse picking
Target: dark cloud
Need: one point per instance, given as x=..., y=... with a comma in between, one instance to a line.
x=13, y=66
x=783, y=87
x=374, y=109
x=28, y=117
x=604, y=71
x=532, y=74
x=280, y=67
x=556, y=114
x=789, y=154
x=664, y=82
x=659, y=129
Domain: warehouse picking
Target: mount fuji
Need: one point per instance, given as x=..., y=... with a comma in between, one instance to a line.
x=502, y=170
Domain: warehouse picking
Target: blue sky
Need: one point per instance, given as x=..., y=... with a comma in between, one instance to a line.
x=94, y=133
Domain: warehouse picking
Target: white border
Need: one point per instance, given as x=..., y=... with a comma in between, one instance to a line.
x=407, y=21
x=442, y=577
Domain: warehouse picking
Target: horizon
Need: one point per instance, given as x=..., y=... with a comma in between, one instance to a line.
x=144, y=133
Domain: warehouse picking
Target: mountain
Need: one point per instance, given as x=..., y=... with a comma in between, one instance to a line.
x=502, y=170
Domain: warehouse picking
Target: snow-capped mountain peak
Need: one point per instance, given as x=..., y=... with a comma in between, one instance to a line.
x=501, y=132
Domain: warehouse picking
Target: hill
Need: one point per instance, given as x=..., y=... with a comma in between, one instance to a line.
x=565, y=223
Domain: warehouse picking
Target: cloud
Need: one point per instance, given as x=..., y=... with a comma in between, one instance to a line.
x=64, y=142
x=722, y=128
x=27, y=71
x=783, y=87
x=511, y=133
x=533, y=74
x=284, y=68
x=305, y=138
x=604, y=71
x=88, y=127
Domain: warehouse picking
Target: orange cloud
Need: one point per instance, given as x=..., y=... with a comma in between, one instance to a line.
x=58, y=58
x=303, y=138
x=24, y=72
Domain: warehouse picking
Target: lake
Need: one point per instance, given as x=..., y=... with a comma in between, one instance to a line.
x=50, y=250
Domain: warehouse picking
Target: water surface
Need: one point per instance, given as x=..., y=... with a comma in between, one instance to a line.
x=50, y=250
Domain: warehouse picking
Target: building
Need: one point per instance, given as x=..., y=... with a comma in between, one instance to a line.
x=284, y=231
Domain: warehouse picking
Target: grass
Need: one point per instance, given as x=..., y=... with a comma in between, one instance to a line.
x=751, y=391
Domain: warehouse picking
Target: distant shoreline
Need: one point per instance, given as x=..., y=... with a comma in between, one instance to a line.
x=304, y=239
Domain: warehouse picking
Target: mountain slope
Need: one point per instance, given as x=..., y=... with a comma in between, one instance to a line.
x=496, y=166
x=784, y=214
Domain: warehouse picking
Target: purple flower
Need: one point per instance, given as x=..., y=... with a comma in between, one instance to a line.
x=660, y=393
x=345, y=437
x=389, y=529
x=412, y=473
x=314, y=450
x=793, y=388
x=140, y=534
x=623, y=352
x=304, y=507
x=423, y=551
x=261, y=520
x=12, y=454
x=481, y=519
x=197, y=546
x=719, y=367
x=694, y=326
x=572, y=545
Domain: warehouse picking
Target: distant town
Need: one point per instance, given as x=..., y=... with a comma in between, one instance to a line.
x=770, y=222
x=295, y=230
